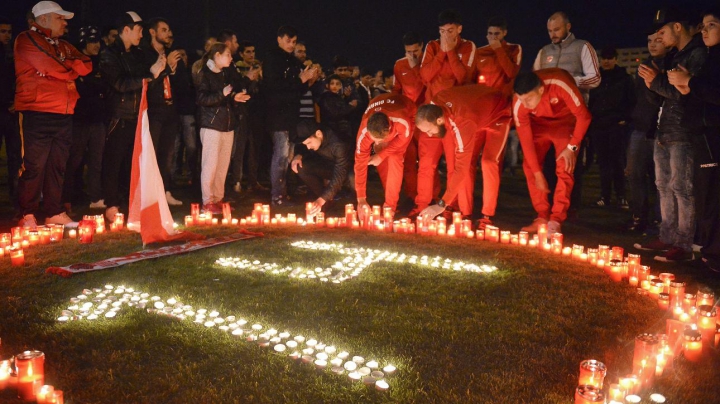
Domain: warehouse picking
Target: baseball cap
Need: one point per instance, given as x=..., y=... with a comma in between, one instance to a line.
x=129, y=19
x=89, y=34
x=47, y=7
x=666, y=16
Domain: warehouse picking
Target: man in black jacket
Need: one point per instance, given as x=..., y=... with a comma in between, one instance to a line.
x=285, y=80
x=321, y=156
x=123, y=67
x=705, y=87
x=640, y=167
x=674, y=150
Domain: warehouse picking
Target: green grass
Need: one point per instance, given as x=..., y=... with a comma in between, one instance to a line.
x=515, y=335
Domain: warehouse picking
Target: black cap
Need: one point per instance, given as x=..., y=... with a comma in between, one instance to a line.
x=89, y=34
x=666, y=16
x=127, y=19
x=305, y=129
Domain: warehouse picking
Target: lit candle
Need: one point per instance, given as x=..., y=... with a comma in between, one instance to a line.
x=542, y=234
x=17, y=257
x=72, y=233
x=86, y=229
x=58, y=397
x=615, y=392
x=505, y=237
x=692, y=345
x=45, y=394
x=592, y=372
x=30, y=366
x=705, y=298
x=616, y=270
x=45, y=234
x=664, y=301
x=514, y=239
x=34, y=238
x=689, y=301
x=628, y=384
x=523, y=238
x=480, y=234
x=119, y=221
x=587, y=394
x=592, y=255
x=194, y=211
x=604, y=252
x=617, y=253
x=567, y=251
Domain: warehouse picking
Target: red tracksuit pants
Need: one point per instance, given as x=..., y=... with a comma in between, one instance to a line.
x=563, y=189
x=391, y=177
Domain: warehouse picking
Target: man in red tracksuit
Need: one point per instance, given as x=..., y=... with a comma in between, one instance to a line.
x=408, y=82
x=46, y=68
x=387, y=127
x=467, y=119
x=447, y=62
x=549, y=110
x=498, y=62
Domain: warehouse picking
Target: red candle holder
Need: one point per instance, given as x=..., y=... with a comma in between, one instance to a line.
x=119, y=221
x=86, y=229
x=592, y=372
x=17, y=257
x=30, y=367
x=587, y=394
x=194, y=211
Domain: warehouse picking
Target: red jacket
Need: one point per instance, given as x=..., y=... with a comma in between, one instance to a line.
x=401, y=111
x=46, y=72
x=497, y=68
x=407, y=81
x=467, y=110
x=441, y=70
x=561, y=113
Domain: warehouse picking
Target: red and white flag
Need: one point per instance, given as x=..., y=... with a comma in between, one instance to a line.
x=149, y=213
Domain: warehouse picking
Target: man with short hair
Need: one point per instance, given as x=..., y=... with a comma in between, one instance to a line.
x=321, y=156
x=498, y=62
x=385, y=133
x=162, y=115
x=46, y=68
x=123, y=67
x=110, y=33
x=549, y=111
x=676, y=139
x=467, y=119
x=197, y=65
x=285, y=80
x=8, y=117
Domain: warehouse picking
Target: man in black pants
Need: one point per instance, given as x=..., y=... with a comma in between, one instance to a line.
x=321, y=156
x=163, y=117
x=123, y=66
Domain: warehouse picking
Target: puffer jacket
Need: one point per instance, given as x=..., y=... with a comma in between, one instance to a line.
x=46, y=69
x=124, y=71
x=216, y=111
x=671, y=127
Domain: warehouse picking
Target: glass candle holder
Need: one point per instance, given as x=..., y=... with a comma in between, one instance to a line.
x=592, y=372
x=586, y=394
x=692, y=345
x=30, y=368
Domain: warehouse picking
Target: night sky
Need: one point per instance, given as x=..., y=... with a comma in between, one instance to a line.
x=369, y=33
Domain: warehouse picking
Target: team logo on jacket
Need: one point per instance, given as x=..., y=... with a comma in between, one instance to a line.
x=378, y=109
x=554, y=100
x=448, y=104
x=549, y=59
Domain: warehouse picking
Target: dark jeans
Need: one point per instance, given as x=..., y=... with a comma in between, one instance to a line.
x=610, y=144
x=707, y=188
x=46, y=145
x=9, y=131
x=119, y=144
x=674, y=171
x=314, y=172
x=89, y=143
x=189, y=140
x=164, y=130
x=641, y=174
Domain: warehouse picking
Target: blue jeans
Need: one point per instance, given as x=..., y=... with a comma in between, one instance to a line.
x=189, y=139
x=282, y=153
x=674, y=170
x=640, y=171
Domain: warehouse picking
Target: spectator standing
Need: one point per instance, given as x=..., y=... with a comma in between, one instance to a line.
x=216, y=98
x=611, y=105
x=88, y=140
x=285, y=79
x=46, y=68
x=186, y=108
x=640, y=167
x=336, y=109
x=8, y=118
x=676, y=139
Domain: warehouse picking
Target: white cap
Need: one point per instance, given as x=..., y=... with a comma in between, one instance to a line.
x=135, y=17
x=47, y=7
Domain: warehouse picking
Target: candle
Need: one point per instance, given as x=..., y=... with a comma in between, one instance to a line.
x=226, y=211
x=5, y=371
x=481, y=79
x=188, y=220
x=604, y=252
x=234, y=221
x=505, y=237
x=617, y=253
x=45, y=394
x=45, y=234
x=664, y=301
x=523, y=238
x=119, y=221
x=616, y=270
x=194, y=211
x=34, y=238
x=17, y=257
x=645, y=353
x=592, y=372
x=587, y=394
x=615, y=392
x=542, y=234
x=628, y=384
x=58, y=397
x=514, y=239
x=567, y=251
x=30, y=366
x=480, y=234
x=86, y=228
x=689, y=301
x=692, y=345
x=592, y=255
x=705, y=298
x=72, y=233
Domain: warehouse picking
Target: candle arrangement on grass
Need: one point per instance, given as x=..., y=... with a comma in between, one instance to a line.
x=25, y=373
x=99, y=304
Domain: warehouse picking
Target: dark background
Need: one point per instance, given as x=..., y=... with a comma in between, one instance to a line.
x=369, y=33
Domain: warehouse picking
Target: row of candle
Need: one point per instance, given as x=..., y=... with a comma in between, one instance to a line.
x=107, y=302
x=26, y=373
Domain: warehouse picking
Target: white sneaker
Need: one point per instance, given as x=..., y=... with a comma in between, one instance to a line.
x=100, y=204
x=61, y=218
x=696, y=248
x=28, y=221
x=554, y=227
x=110, y=213
x=172, y=201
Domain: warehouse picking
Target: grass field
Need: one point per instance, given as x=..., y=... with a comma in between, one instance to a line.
x=515, y=335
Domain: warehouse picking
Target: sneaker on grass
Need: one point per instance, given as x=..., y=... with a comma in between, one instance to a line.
x=99, y=204
x=171, y=200
x=675, y=254
x=61, y=218
x=655, y=245
x=553, y=227
x=28, y=221
x=533, y=227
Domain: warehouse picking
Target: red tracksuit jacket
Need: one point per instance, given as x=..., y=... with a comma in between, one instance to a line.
x=401, y=111
x=441, y=70
x=407, y=81
x=497, y=68
x=561, y=112
x=467, y=110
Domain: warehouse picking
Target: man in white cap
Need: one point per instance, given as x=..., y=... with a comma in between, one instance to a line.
x=46, y=68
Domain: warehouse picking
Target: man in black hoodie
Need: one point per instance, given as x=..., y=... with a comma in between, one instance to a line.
x=705, y=87
x=674, y=150
x=610, y=105
x=640, y=167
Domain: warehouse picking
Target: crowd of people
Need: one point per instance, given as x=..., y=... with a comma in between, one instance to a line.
x=66, y=107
